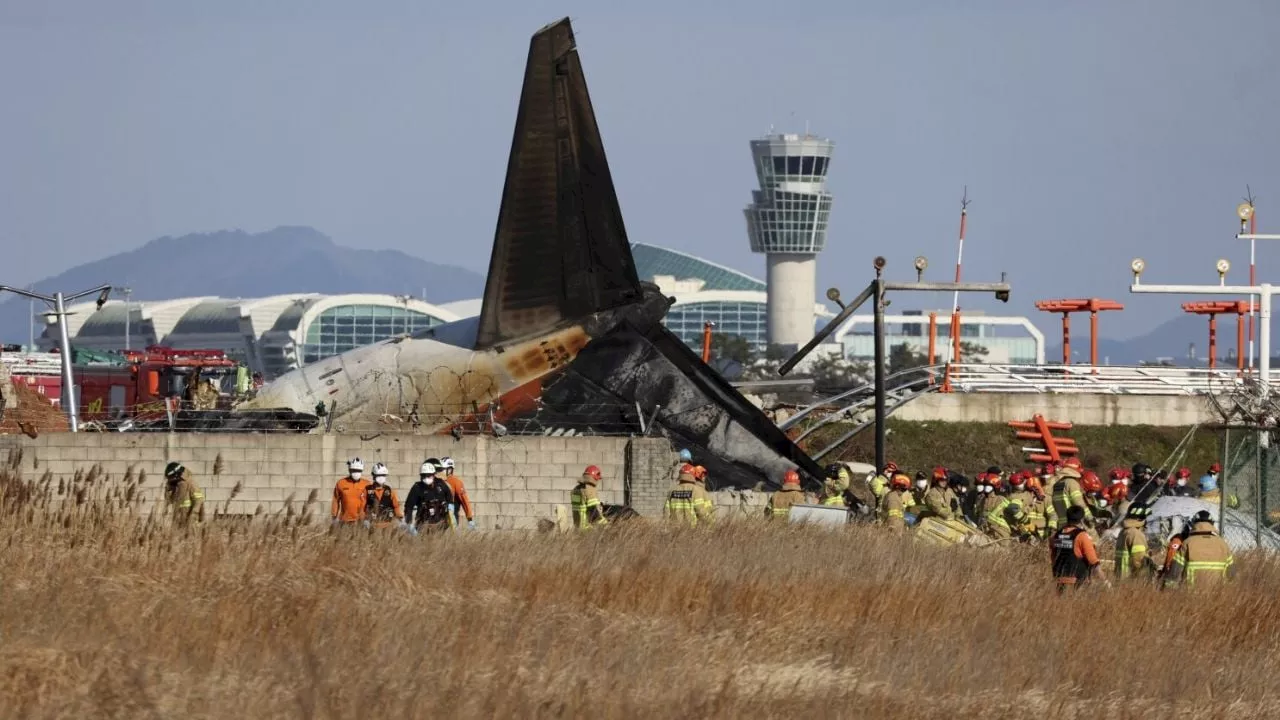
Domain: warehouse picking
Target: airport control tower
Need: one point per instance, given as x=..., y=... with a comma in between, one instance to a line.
x=787, y=221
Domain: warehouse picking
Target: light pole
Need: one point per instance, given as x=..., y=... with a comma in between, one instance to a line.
x=1264, y=292
x=59, y=301
x=877, y=289
x=128, y=291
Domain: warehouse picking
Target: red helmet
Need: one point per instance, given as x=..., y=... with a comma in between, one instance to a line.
x=1019, y=479
x=890, y=468
x=1117, y=473
x=699, y=472
x=1089, y=482
x=1033, y=484
x=939, y=473
x=1215, y=468
x=900, y=482
x=791, y=477
x=592, y=472
x=1186, y=472
x=686, y=469
x=995, y=481
x=1116, y=492
x=1048, y=469
x=1073, y=462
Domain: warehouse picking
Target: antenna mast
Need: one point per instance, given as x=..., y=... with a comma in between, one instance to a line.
x=964, y=216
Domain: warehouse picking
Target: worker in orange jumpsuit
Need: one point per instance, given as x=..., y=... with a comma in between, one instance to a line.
x=349, y=495
x=462, y=507
x=381, y=506
x=1072, y=554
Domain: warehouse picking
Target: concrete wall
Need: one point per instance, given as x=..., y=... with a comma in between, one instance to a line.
x=513, y=481
x=1082, y=409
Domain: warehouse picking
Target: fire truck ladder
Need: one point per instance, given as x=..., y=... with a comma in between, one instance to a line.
x=1054, y=448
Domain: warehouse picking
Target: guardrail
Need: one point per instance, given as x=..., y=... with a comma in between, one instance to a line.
x=1096, y=379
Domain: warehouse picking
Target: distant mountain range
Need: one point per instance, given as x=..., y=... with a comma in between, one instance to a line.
x=237, y=264
x=1171, y=339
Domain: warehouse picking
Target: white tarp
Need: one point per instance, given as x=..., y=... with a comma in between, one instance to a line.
x=819, y=514
x=1169, y=515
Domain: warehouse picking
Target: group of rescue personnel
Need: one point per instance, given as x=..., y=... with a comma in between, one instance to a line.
x=1064, y=504
x=437, y=501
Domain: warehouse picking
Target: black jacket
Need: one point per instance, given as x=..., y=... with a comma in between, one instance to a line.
x=428, y=503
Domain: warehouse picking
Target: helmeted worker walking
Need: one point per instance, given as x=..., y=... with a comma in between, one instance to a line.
x=584, y=500
x=779, y=505
x=1132, y=562
x=1204, y=559
x=349, y=494
x=381, y=506
x=1066, y=492
x=183, y=494
x=688, y=502
x=462, y=503
x=896, y=503
x=427, y=507
x=1072, y=555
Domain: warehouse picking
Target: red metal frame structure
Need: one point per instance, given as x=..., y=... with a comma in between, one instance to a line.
x=1214, y=308
x=1040, y=429
x=706, y=341
x=1093, y=306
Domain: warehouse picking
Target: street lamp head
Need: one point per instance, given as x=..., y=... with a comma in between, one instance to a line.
x=102, y=297
x=1223, y=266
x=1137, y=265
x=922, y=262
x=833, y=294
x=1244, y=211
x=879, y=262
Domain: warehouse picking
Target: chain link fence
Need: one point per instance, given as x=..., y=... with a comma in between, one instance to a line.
x=1251, y=474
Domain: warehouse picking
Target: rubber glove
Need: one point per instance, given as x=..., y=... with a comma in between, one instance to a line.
x=471, y=524
x=453, y=509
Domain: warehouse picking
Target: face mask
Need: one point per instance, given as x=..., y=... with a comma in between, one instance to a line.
x=430, y=479
x=1102, y=502
x=355, y=474
x=1124, y=481
x=988, y=489
x=1182, y=482
x=922, y=484
x=380, y=479
x=1213, y=476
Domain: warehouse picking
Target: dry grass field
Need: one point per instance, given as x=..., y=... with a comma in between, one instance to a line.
x=108, y=613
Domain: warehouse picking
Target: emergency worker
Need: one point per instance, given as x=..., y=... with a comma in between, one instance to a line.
x=939, y=500
x=1209, y=489
x=1066, y=491
x=183, y=494
x=462, y=505
x=1046, y=507
x=1097, y=505
x=896, y=503
x=1177, y=486
x=1131, y=546
x=1072, y=554
x=963, y=489
x=588, y=512
x=1204, y=558
x=920, y=487
x=996, y=507
x=347, y=507
x=688, y=502
x=832, y=492
x=427, y=507
x=381, y=506
x=780, y=502
x=1210, y=479
x=1027, y=502
x=880, y=483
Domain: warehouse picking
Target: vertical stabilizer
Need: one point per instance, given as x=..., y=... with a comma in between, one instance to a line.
x=560, y=250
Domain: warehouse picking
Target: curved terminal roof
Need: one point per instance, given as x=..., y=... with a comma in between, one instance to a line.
x=652, y=260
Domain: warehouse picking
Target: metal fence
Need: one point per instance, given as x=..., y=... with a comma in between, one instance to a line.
x=1251, y=474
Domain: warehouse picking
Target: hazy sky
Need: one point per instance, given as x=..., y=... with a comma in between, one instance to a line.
x=1087, y=132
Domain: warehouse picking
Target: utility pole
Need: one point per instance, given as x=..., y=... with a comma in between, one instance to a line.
x=128, y=312
x=59, y=303
x=877, y=289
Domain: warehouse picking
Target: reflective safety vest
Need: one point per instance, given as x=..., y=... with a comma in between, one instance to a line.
x=995, y=516
x=685, y=503
x=1065, y=562
x=1191, y=563
x=582, y=508
x=834, y=501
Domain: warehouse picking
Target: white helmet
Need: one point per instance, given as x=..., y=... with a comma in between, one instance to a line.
x=379, y=470
x=446, y=463
x=355, y=464
x=426, y=469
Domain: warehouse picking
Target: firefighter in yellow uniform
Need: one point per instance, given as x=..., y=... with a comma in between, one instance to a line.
x=183, y=494
x=688, y=502
x=780, y=502
x=1131, y=546
x=996, y=507
x=833, y=487
x=587, y=510
x=1031, y=506
x=896, y=503
x=1204, y=560
x=880, y=483
x=939, y=500
x=1066, y=491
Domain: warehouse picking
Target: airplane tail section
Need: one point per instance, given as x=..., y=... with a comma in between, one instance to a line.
x=560, y=250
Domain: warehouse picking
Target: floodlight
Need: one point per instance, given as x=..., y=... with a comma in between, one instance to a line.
x=1244, y=211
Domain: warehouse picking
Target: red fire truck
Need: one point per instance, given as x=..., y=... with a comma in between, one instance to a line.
x=138, y=384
